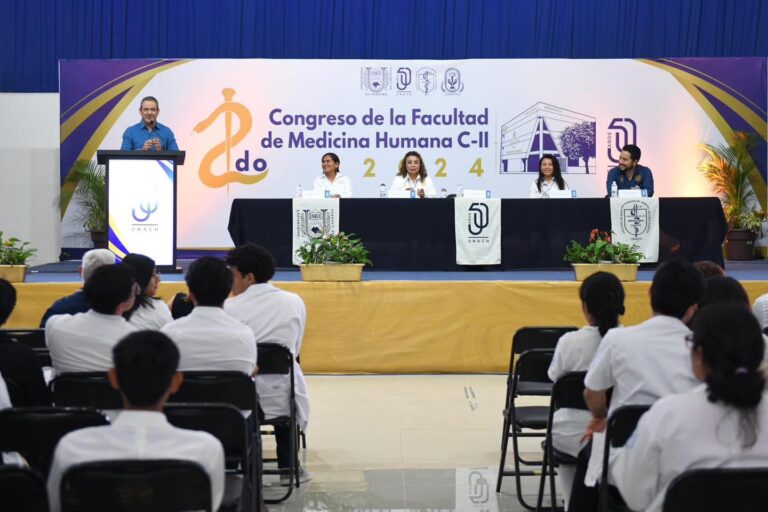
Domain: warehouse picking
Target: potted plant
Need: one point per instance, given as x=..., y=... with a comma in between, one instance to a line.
x=336, y=257
x=729, y=167
x=601, y=254
x=86, y=185
x=14, y=255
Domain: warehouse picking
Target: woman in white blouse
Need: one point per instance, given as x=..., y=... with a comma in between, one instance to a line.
x=148, y=311
x=602, y=302
x=720, y=424
x=550, y=178
x=412, y=175
x=331, y=180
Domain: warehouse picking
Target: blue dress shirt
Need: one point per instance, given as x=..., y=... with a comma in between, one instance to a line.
x=135, y=136
x=642, y=179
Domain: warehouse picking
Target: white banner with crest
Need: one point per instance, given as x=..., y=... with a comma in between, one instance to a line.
x=313, y=218
x=478, y=231
x=635, y=221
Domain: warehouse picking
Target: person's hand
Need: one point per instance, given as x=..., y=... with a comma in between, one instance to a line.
x=420, y=192
x=255, y=371
x=147, y=145
x=594, y=425
x=158, y=146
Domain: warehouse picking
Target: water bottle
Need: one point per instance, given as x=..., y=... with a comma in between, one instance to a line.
x=459, y=190
x=614, y=189
x=298, y=190
x=382, y=191
x=443, y=193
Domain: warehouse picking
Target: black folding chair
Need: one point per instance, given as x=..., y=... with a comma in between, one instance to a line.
x=34, y=339
x=136, y=485
x=276, y=359
x=227, y=424
x=567, y=393
x=34, y=432
x=85, y=389
x=715, y=490
x=619, y=427
x=22, y=490
x=529, y=338
x=233, y=388
x=531, y=368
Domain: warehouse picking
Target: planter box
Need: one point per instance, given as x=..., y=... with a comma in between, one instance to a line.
x=13, y=273
x=624, y=271
x=332, y=272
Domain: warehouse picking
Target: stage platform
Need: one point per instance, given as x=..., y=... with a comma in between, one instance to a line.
x=409, y=322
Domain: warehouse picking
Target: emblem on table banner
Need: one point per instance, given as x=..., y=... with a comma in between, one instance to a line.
x=478, y=231
x=313, y=218
x=636, y=222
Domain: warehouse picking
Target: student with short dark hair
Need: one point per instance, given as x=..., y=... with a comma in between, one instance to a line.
x=145, y=373
x=83, y=342
x=722, y=423
x=18, y=365
x=208, y=338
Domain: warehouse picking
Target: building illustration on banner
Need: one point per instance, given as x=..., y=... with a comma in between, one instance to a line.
x=547, y=129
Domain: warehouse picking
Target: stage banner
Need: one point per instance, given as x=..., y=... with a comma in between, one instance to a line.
x=313, y=218
x=478, y=231
x=635, y=221
x=258, y=128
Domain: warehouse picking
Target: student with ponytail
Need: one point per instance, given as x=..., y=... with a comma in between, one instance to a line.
x=723, y=423
x=602, y=302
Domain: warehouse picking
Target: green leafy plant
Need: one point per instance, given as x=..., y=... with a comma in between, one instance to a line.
x=338, y=248
x=728, y=167
x=14, y=252
x=600, y=247
x=85, y=184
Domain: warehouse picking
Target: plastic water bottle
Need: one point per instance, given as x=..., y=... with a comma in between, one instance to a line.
x=459, y=190
x=382, y=191
x=443, y=193
x=614, y=189
x=298, y=190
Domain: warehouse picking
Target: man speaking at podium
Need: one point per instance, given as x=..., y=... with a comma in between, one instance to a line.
x=148, y=134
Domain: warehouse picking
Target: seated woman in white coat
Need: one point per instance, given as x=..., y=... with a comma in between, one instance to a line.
x=412, y=175
x=331, y=180
x=550, y=178
x=148, y=312
x=602, y=302
x=721, y=424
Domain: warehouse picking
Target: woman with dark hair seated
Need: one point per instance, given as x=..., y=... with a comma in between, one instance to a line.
x=550, y=178
x=721, y=424
x=412, y=175
x=148, y=311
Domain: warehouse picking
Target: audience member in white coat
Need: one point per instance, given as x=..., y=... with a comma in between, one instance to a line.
x=149, y=312
x=274, y=316
x=208, y=338
x=641, y=363
x=720, y=424
x=83, y=342
x=145, y=374
x=602, y=302
x=760, y=309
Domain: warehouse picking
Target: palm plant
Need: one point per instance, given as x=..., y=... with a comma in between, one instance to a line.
x=86, y=185
x=728, y=168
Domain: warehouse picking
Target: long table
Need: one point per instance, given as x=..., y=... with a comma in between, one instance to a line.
x=412, y=234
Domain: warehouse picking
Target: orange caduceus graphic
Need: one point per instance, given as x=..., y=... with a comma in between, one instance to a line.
x=227, y=108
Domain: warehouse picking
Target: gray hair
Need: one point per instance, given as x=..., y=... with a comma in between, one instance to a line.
x=94, y=259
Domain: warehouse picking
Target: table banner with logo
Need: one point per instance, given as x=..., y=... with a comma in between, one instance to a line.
x=313, y=218
x=478, y=231
x=635, y=221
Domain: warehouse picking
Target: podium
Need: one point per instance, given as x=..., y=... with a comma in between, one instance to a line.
x=141, y=203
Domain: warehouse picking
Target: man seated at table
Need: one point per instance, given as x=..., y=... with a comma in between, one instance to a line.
x=629, y=174
x=77, y=303
x=83, y=342
x=208, y=338
x=144, y=372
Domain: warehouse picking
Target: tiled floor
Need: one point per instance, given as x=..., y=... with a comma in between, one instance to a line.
x=406, y=442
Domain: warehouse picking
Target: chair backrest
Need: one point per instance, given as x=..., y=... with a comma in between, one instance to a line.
x=715, y=490
x=22, y=490
x=619, y=427
x=533, y=366
x=35, y=431
x=568, y=392
x=130, y=485
x=34, y=339
x=274, y=359
x=85, y=389
x=234, y=388
x=527, y=338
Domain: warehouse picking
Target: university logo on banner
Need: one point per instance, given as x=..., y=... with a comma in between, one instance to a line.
x=478, y=231
x=635, y=221
x=313, y=218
